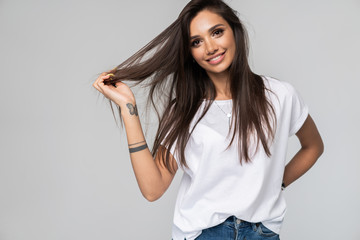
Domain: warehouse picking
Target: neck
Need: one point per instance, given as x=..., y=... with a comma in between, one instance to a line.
x=222, y=85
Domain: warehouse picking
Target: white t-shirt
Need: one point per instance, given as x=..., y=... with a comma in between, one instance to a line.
x=216, y=186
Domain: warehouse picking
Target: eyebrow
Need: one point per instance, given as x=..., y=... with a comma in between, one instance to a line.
x=210, y=30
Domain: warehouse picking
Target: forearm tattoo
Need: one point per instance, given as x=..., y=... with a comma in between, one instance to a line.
x=132, y=109
x=137, y=149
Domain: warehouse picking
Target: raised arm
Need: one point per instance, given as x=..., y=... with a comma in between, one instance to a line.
x=311, y=148
x=152, y=176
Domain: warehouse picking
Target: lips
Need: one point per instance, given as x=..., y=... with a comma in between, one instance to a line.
x=216, y=59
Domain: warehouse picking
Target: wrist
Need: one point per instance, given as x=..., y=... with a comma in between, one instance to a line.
x=129, y=109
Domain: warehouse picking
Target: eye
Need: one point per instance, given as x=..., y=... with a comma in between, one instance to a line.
x=218, y=32
x=195, y=43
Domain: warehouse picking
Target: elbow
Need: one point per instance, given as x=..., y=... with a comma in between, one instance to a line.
x=152, y=197
x=317, y=148
x=320, y=148
x=314, y=151
x=153, y=192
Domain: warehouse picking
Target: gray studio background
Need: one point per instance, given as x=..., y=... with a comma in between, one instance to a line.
x=65, y=171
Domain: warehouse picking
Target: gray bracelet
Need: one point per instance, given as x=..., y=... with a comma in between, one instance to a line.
x=136, y=149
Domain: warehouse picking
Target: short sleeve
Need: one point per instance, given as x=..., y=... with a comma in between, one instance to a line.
x=299, y=110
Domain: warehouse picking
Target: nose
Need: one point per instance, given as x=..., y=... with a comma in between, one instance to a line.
x=211, y=47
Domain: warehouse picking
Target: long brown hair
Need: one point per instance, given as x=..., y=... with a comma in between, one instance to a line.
x=183, y=84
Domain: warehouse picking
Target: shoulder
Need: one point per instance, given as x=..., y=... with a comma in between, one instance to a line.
x=278, y=87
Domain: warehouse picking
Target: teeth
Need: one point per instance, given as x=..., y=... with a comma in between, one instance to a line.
x=215, y=58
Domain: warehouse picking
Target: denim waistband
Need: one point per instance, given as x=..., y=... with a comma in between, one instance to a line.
x=236, y=222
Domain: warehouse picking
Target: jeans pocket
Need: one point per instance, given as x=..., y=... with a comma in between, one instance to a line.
x=264, y=231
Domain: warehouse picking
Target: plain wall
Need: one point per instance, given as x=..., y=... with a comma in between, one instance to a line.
x=65, y=171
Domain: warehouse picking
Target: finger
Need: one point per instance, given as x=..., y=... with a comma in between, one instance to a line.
x=104, y=74
x=100, y=80
x=109, y=76
x=101, y=85
x=98, y=88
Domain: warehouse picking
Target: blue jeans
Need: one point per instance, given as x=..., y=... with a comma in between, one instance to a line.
x=236, y=229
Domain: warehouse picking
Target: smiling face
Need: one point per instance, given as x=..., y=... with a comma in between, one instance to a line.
x=212, y=43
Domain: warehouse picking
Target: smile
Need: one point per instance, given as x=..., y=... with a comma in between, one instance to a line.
x=216, y=59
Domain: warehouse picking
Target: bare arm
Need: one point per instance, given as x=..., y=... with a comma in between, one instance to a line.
x=311, y=149
x=152, y=177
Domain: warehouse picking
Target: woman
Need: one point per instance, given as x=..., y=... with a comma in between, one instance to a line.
x=224, y=125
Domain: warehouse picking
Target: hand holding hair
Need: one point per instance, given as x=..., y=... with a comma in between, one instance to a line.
x=119, y=92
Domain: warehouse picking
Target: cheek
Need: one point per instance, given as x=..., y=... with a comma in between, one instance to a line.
x=196, y=54
x=229, y=42
x=231, y=46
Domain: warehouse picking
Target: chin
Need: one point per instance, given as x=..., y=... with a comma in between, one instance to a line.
x=219, y=70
